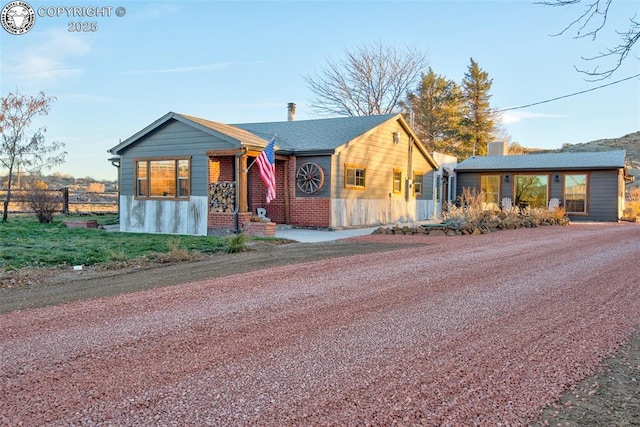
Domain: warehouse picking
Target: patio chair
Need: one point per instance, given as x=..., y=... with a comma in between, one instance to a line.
x=554, y=204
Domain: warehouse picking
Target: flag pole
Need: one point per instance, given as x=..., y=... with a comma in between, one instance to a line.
x=255, y=158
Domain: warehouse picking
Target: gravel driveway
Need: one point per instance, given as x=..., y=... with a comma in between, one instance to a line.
x=471, y=330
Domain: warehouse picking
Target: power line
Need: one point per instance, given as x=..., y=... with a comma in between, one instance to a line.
x=567, y=96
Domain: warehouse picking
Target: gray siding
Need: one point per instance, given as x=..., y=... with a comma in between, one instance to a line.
x=427, y=185
x=173, y=139
x=421, y=165
x=603, y=198
x=555, y=185
x=325, y=163
x=467, y=180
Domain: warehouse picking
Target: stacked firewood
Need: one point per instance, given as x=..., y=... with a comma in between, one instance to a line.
x=222, y=196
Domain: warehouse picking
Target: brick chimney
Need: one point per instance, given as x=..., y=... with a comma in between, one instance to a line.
x=291, y=111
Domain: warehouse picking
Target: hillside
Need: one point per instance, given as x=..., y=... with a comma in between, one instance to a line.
x=630, y=142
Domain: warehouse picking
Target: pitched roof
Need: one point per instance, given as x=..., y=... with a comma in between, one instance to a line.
x=305, y=136
x=546, y=161
x=226, y=132
x=321, y=136
x=234, y=132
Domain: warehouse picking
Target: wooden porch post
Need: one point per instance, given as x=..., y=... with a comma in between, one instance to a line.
x=288, y=186
x=242, y=184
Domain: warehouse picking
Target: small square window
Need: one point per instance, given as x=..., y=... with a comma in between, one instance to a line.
x=354, y=177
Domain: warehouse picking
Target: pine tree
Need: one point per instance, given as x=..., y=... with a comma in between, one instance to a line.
x=436, y=107
x=478, y=121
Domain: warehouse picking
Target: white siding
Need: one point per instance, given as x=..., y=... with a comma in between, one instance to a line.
x=425, y=210
x=164, y=216
x=370, y=212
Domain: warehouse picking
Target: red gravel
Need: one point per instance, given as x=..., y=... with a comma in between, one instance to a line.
x=473, y=330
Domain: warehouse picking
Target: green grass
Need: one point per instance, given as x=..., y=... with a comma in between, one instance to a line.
x=26, y=243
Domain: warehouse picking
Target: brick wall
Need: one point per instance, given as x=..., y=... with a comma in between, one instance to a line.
x=221, y=169
x=226, y=221
x=258, y=193
x=304, y=211
x=311, y=212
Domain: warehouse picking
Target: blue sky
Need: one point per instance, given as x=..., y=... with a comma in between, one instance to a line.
x=241, y=61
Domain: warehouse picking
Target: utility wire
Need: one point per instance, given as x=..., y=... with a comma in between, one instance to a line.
x=567, y=96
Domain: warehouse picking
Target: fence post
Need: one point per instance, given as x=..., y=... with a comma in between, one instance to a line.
x=65, y=200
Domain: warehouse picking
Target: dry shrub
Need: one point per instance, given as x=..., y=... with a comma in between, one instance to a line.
x=632, y=204
x=468, y=212
x=175, y=253
x=44, y=202
x=467, y=209
x=95, y=187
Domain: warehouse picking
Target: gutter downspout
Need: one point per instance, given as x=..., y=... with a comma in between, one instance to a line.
x=236, y=224
x=115, y=161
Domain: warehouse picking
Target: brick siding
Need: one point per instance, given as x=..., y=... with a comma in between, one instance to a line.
x=311, y=212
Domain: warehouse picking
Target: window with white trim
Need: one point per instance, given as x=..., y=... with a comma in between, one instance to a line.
x=417, y=183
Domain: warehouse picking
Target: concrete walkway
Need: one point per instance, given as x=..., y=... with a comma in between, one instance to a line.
x=309, y=236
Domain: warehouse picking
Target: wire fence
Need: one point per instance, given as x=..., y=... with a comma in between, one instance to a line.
x=70, y=201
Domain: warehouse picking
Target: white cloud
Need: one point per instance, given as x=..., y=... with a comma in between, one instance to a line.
x=510, y=117
x=48, y=60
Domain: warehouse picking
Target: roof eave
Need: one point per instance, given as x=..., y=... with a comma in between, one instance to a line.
x=416, y=141
x=321, y=152
x=182, y=119
x=538, y=169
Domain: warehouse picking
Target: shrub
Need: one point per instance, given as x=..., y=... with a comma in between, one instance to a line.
x=467, y=214
x=632, y=205
x=237, y=243
x=45, y=203
x=467, y=209
x=175, y=253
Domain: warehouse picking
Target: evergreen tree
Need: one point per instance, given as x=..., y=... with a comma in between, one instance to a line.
x=436, y=107
x=478, y=121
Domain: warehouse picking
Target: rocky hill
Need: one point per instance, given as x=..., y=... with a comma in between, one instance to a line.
x=630, y=142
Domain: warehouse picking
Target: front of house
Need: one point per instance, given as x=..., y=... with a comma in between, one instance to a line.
x=587, y=185
x=186, y=175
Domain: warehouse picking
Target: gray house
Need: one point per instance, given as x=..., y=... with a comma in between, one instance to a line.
x=588, y=185
x=187, y=175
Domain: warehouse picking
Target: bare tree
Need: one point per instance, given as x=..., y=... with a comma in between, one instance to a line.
x=589, y=23
x=20, y=146
x=371, y=80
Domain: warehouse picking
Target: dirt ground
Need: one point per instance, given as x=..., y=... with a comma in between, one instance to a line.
x=610, y=397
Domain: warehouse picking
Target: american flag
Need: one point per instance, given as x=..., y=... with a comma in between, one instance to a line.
x=267, y=165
